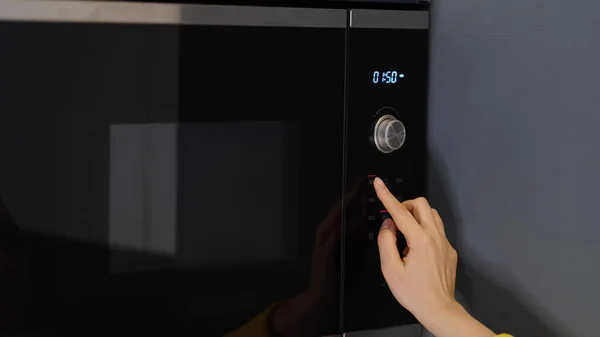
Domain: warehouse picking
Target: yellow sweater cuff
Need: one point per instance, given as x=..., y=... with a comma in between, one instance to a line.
x=256, y=327
x=504, y=335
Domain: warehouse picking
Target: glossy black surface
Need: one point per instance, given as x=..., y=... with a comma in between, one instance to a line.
x=170, y=180
x=368, y=303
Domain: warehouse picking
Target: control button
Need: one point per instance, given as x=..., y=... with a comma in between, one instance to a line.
x=399, y=180
x=389, y=134
x=371, y=236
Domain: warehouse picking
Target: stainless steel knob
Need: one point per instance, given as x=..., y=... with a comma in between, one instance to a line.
x=389, y=134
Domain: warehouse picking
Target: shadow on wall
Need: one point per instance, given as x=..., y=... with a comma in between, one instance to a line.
x=493, y=295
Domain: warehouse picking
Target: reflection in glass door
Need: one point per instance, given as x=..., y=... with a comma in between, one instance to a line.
x=173, y=173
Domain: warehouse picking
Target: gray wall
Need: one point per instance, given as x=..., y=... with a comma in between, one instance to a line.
x=515, y=151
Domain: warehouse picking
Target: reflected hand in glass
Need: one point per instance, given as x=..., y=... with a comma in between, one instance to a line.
x=304, y=314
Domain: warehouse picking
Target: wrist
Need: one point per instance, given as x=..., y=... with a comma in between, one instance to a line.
x=452, y=320
x=441, y=313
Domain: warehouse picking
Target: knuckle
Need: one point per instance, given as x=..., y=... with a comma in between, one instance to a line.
x=384, y=236
x=421, y=201
x=453, y=253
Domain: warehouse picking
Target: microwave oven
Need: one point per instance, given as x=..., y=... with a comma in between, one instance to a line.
x=204, y=169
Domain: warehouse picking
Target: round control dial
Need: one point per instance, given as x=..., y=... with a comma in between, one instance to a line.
x=389, y=134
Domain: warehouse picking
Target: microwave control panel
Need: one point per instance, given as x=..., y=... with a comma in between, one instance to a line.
x=387, y=79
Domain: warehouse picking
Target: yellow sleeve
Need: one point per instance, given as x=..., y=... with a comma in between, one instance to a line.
x=504, y=335
x=256, y=327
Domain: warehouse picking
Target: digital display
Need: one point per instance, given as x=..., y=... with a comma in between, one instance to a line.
x=386, y=76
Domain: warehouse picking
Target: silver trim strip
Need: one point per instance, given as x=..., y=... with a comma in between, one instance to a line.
x=157, y=13
x=367, y=18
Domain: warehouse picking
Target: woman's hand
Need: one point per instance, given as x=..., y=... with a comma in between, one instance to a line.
x=423, y=279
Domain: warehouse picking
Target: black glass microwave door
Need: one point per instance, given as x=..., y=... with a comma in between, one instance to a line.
x=260, y=169
x=169, y=178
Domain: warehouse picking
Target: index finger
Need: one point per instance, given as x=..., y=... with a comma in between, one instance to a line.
x=404, y=220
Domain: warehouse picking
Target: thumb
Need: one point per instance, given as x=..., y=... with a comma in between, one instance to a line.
x=388, y=251
x=404, y=220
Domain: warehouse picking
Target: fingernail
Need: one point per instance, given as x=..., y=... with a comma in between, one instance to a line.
x=387, y=223
x=379, y=182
